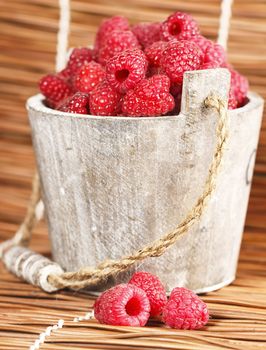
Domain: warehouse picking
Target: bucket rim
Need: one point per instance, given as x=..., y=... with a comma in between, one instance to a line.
x=36, y=104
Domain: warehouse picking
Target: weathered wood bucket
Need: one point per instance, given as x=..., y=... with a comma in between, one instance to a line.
x=113, y=184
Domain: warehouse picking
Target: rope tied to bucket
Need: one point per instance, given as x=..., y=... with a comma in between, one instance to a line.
x=89, y=276
x=53, y=279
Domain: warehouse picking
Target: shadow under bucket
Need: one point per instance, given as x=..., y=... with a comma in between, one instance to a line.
x=111, y=185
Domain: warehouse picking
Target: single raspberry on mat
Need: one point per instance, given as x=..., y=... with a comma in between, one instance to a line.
x=123, y=305
x=180, y=26
x=179, y=57
x=115, y=42
x=54, y=88
x=88, y=77
x=153, y=288
x=107, y=26
x=104, y=100
x=154, y=52
x=78, y=103
x=239, y=87
x=147, y=33
x=150, y=98
x=126, y=69
x=185, y=310
x=79, y=56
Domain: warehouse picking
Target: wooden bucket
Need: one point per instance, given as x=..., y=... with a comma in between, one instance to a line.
x=111, y=185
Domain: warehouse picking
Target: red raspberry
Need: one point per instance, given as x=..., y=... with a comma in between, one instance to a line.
x=185, y=310
x=78, y=103
x=123, y=305
x=104, y=100
x=154, y=53
x=202, y=42
x=147, y=33
x=115, y=42
x=214, y=54
x=107, y=26
x=176, y=91
x=88, y=77
x=126, y=69
x=150, y=97
x=79, y=57
x=65, y=74
x=154, y=290
x=239, y=87
x=179, y=57
x=180, y=26
x=209, y=65
x=54, y=88
x=232, y=101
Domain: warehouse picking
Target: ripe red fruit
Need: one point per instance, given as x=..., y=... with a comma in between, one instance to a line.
x=78, y=57
x=115, y=42
x=232, y=101
x=214, y=54
x=185, y=310
x=239, y=87
x=180, y=26
x=179, y=57
x=126, y=69
x=150, y=98
x=88, y=77
x=78, y=103
x=123, y=305
x=154, y=290
x=104, y=100
x=147, y=33
x=107, y=26
x=154, y=53
x=54, y=88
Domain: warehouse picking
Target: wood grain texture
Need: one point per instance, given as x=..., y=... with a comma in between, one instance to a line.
x=28, y=36
x=113, y=185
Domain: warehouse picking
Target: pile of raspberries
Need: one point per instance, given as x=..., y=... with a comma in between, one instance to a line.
x=144, y=296
x=137, y=71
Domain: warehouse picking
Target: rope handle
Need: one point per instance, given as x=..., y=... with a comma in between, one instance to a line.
x=89, y=276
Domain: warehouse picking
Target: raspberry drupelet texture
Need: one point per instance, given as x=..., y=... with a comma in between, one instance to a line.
x=123, y=305
x=147, y=33
x=107, y=26
x=154, y=53
x=54, y=88
x=185, y=310
x=154, y=290
x=180, y=26
x=232, y=101
x=239, y=87
x=179, y=57
x=115, y=42
x=104, y=100
x=78, y=103
x=214, y=53
x=88, y=77
x=126, y=69
x=79, y=57
x=150, y=98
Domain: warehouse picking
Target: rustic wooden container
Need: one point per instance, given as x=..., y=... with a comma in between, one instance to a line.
x=113, y=184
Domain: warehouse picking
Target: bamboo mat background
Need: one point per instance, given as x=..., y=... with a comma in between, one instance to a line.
x=27, y=42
